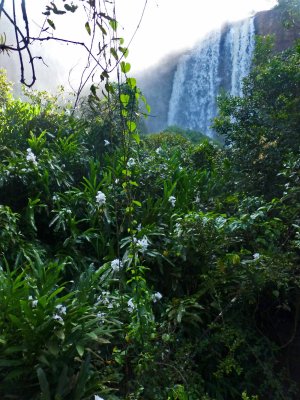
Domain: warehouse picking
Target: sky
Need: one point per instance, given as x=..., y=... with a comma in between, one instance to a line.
x=170, y=25
x=167, y=26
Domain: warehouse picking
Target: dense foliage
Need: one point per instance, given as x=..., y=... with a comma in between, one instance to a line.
x=153, y=268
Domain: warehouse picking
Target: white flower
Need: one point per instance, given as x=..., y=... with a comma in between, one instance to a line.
x=57, y=317
x=131, y=305
x=159, y=150
x=256, y=256
x=142, y=244
x=34, y=303
x=61, y=309
x=103, y=298
x=31, y=157
x=156, y=297
x=100, y=198
x=98, y=397
x=130, y=162
x=116, y=265
x=106, y=142
x=172, y=200
x=100, y=316
x=139, y=227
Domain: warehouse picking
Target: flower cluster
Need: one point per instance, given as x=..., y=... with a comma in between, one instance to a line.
x=101, y=316
x=130, y=162
x=172, y=200
x=100, y=198
x=131, y=305
x=156, y=297
x=31, y=157
x=104, y=299
x=61, y=311
x=33, y=302
x=116, y=265
x=142, y=244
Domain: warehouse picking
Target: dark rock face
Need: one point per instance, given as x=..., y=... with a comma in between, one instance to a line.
x=271, y=23
x=157, y=82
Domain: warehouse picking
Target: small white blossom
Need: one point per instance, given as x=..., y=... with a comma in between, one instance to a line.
x=130, y=162
x=197, y=199
x=172, y=200
x=156, y=297
x=159, y=150
x=139, y=227
x=31, y=157
x=100, y=198
x=178, y=229
x=142, y=244
x=256, y=256
x=57, y=317
x=98, y=397
x=34, y=303
x=106, y=142
x=100, y=316
x=116, y=265
x=62, y=310
x=131, y=305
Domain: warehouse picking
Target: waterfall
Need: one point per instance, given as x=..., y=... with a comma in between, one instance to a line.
x=221, y=60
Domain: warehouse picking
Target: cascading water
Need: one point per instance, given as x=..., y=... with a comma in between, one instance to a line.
x=221, y=60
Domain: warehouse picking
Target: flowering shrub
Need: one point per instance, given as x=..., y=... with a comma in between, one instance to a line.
x=134, y=268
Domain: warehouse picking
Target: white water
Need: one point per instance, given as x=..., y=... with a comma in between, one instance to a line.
x=221, y=60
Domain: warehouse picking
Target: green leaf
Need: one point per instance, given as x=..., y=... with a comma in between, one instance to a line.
x=131, y=126
x=137, y=203
x=114, y=53
x=114, y=24
x=44, y=384
x=131, y=82
x=10, y=363
x=136, y=138
x=103, y=30
x=80, y=349
x=125, y=67
x=88, y=28
x=124, y=51
x=124, y=99
x=109, y=88
x=51, y=23
x=71, y=7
